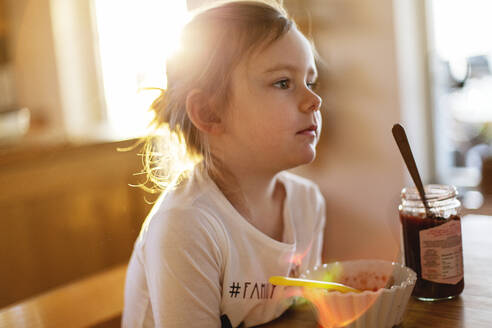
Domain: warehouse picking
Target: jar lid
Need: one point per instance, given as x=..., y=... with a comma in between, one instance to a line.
x=437, y=196
x=433, y=192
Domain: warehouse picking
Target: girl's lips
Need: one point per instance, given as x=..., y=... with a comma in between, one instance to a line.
x=310, y=131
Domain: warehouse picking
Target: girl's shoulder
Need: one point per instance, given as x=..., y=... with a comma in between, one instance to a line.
x=183, y=220
x=184, y=228
x=181, y=212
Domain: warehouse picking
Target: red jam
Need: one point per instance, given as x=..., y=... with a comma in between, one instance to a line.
x=428, y=289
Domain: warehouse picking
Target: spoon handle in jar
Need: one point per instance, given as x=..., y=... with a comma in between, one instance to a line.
x=405, y=150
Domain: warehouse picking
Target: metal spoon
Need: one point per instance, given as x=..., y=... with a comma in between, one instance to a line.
x=402, y=142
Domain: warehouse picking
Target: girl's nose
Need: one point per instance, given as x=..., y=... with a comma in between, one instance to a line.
x=312, y=102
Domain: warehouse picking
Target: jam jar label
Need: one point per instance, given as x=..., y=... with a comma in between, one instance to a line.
x=441, y=253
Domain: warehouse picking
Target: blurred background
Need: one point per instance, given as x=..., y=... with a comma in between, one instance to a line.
x=70, y=71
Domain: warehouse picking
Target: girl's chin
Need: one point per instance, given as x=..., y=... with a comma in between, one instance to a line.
x=307, y=156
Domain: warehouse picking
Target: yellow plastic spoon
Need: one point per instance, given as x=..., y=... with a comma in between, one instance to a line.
x=287, y=281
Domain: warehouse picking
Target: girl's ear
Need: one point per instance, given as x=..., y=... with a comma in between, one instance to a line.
x=202, y=114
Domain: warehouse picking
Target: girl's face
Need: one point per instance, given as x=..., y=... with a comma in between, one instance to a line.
x=273, y=121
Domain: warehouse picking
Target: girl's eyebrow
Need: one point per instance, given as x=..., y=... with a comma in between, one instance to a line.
x=289, y=67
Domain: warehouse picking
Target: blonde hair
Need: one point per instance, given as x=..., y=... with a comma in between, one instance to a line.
x=213, y=43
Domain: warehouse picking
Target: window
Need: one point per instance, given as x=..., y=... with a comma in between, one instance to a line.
x=459, y=33
x=134, y=37
x=444, y=54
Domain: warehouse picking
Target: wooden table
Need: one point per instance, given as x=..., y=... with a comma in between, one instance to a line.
x=472, y=309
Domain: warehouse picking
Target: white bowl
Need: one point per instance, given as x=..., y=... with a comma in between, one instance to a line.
x=375, y=307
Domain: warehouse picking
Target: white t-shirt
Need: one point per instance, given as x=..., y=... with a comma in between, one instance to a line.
x=197, y=258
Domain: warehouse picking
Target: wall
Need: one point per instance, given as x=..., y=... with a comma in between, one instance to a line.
x=33, y=58
x=358, y=167
x=3, y=34
x=55, y=64
x=6, y=92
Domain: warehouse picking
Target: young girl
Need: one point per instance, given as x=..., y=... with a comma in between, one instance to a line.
x=240, y=100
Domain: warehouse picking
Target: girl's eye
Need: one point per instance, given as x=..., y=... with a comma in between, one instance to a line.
x=282, y=84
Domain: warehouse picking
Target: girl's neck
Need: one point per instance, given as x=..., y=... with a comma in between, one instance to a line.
x=246, y=188
x=258, y=198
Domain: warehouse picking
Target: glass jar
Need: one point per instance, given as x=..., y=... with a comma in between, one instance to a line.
x=432, y=241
